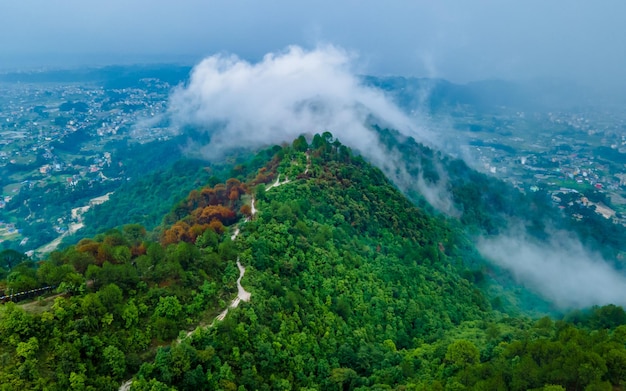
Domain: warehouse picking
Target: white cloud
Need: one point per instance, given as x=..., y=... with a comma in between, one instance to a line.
x=561, y=270
x=250, y=105
x=292, y=93
x=284, y=95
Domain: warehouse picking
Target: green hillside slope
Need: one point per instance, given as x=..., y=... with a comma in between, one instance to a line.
x=347, y=285
x=353, y=287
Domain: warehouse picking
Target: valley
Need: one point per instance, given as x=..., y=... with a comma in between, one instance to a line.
x=61, y=144
x=75, y=140
x=74, y=226
x=344, y=196
x=561, y=147
x=347, y=282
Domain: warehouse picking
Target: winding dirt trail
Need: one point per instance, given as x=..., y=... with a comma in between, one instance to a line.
x=234, y=235
x=242, y=294
x=308, y=162
x=252, y=208
x=278, y=182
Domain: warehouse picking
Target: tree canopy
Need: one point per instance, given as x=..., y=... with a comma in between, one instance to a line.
x=352, y=287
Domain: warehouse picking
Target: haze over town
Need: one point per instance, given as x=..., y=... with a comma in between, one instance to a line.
x=243, y=195
x=459, y=41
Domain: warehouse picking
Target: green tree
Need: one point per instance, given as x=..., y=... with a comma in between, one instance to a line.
x=343, y=377
x=121, y=254
x=111, y=297
x=130, y=314
x=300, y=144
x=134, y=233
x=10, y=258
x=462, y=354
x=114, y=361
x=77, y=381
x=260, y=192
x=73, y=283
x=28, y=350
x=168, y=307
x=50, y=274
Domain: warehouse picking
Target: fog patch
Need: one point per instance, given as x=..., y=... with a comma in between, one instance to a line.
x=560, y=269
x=239, y=104
x=396, y=168
x=284, y=95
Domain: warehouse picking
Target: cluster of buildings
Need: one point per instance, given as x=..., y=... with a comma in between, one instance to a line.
x=7, y=230
x=559, y=152
x=61, y=133
x=35, y=119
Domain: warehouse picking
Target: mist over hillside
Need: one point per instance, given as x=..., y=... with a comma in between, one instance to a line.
x=312, y=195
x=252, y=105
x=226, y=103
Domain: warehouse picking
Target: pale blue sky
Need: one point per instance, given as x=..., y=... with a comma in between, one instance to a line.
x=459, y=40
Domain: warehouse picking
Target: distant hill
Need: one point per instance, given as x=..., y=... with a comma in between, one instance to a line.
x=113, y=76
x=438, y=94
x=410, y=93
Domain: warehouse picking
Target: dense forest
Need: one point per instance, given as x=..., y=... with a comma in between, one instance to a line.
x=489, y=206
x=352, y=286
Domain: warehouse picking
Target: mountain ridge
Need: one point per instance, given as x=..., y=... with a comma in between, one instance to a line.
x=352, y=287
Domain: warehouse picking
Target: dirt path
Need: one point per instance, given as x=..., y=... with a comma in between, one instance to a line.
x=234, y=235
x=308, y=162
x=252, y=208
x=275, y=184
x=126, y=385
x=242, y=294
x=278, y=182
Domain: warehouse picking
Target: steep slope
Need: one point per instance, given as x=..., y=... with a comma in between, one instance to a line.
x=490, y=206
x=120, y=296
x=352, y=287
x=342, y=268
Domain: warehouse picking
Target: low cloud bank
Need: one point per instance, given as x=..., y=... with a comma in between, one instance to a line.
x=245, y=105
x=284, y=95
x=250, y=105
x=561, y=270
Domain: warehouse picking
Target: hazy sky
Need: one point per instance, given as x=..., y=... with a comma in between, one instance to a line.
x=460, y=40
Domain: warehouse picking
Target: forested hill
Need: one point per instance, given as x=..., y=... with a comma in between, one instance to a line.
x=490, y=206
x=352, y=287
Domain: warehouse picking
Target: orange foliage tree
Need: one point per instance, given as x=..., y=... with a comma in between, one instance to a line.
x=208, y=208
